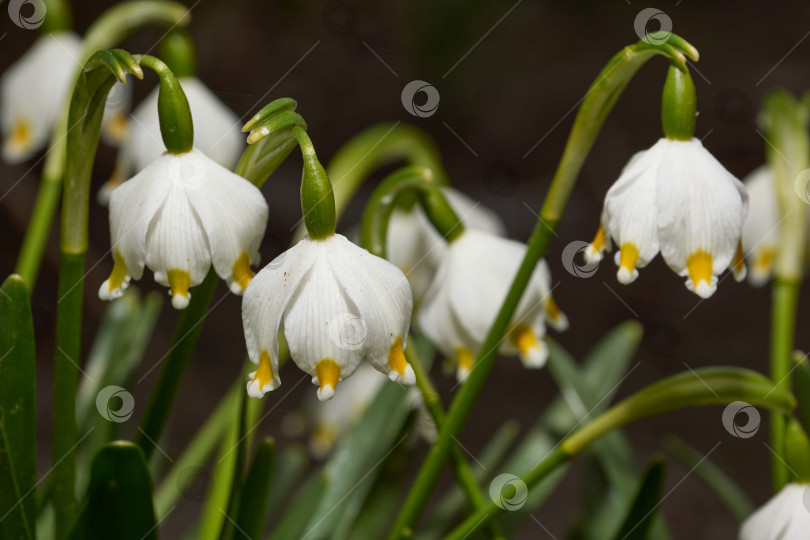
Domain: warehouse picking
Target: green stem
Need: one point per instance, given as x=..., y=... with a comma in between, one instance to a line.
x=176, y=127
x=58, y=16
x=458, y=463
x=594, y=110
x=317, y=199
x=174, y=365
x=707, y=386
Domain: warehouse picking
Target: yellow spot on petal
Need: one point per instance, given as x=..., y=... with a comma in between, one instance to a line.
x=119, y=271
x=629, y=257
x=242, y=274
x=20, y=134
x=763, y=261
x=179, y=281
x=552, y=309
x=328, y=373
x=524, y=339
x=264, y=373
x=117, y=127
x=699, y=265
x=464, y=359
x=396, y=357
x=598, y=242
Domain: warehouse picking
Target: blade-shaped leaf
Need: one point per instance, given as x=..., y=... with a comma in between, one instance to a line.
x=18, y=389
x=637, y=524
x=256, y=490
x=118, y=502
x=13, y=522
x=801, y=384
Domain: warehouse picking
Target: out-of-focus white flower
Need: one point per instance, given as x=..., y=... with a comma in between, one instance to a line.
x=33, y=93
x=178, y=216
x=675, y=198
x=337, y=304
x=416, y=247
x=114, y=124
x=471, y=283
x=217, y=133
x=785, y=517
x=761, y=229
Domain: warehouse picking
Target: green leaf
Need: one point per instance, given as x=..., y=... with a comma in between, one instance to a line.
x=636, y=525
x=797, y=451
x=729, y=493
x=256, y=490
x=118, y=502
x=18, y=390
x=801, y=384
x=300, y=511
x=14, y=524
x=292, y=464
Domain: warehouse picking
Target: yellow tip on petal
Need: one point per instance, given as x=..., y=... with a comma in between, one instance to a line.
x=262, y=380
x=594, y=252
x=401, y=371
x=119, y=271
x=20, y=137
x=532, y=352
x=328, y=374
x=464, y=363
x=762, y=265
x=627, y=264
x=699, y=266
x=117, y=127
x=738, y=263
x=242, y=274
x=556, y=318
x=179, y=281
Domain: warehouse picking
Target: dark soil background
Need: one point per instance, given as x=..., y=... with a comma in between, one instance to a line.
x=510, y=76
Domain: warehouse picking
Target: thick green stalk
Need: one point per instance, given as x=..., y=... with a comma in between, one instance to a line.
x=58, y=16
x=788, y=154
x=706, y=386
x=591, y=116
x=317, y=199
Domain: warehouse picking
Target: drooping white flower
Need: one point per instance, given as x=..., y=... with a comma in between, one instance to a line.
x=33, y=93
x=785, y=517
x=761, y=230
x=471, y=283
x=337, y=304
x=416, y=247
x=217, y=133
x=675, y=198
x=178, y=216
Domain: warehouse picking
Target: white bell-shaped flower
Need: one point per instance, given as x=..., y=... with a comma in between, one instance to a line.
x=762, y=229
x=675, y=198
x=178, y=216
x=785, y=517
x=337, y=304
x=217, y=133
x=471, y=283
x=33, y=93
x=416, y=247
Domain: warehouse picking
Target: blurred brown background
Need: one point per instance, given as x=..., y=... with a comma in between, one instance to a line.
x=510, y=76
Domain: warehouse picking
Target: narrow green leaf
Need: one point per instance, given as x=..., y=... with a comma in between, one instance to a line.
x=801, y=385
x=726, y=490
x=300, y=511
x=292, y=464
x=118, y=502
x=13, y=522
x=636, y=525
x=797, y=451
x=216, y=504
x=18, y=389
x=256, y=490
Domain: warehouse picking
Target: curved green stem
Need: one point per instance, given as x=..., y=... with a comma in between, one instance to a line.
x=177, y=50
x=58, y=16
x=174, y=114
x=788, y=156
x=398, y=185
x=592, y=113
x=110, y=28
x=707, y=386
